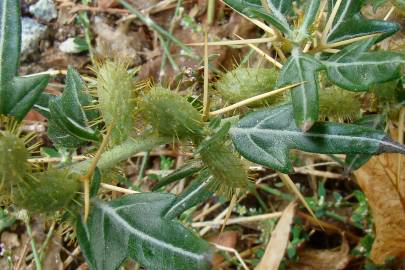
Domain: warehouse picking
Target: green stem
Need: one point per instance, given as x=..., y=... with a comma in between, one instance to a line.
x=85, y=22
x=142, y=170
x=122, y=152
x=33, y=247
x=46, y=242
x=171, y=29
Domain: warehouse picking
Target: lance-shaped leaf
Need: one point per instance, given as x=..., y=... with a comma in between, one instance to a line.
x=356, y=69
x=355, y=161
x=68, y=119
x=302, y=68
x=266, y=136
x=133, y=226
x=274, y=12
x=350, y=23
x=17, y=94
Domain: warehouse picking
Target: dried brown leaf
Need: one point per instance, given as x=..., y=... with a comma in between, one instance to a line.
x=279, y=240
x=316, y=259
x=378, y=180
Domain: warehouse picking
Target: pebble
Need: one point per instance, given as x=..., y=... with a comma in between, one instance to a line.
x=44, y=10
x=32, y=33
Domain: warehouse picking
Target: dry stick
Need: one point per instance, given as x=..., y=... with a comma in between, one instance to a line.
x=290, y=184
x=265, y=55
x=230, y=208
x=329, y=23
x=206, y=105
x=23, y=254
x=70, y=259
x=234, y=251
x=237, y=220
x=258, y=23
x=235, y=42
x=254, y=99
x=389, y=13
x=86, y=179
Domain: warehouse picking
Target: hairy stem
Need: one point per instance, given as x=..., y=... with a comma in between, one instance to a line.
x=122, y=152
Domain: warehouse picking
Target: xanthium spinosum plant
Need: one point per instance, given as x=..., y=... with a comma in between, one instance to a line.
x=331, y=61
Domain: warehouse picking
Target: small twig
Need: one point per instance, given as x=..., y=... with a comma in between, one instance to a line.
x=232, y=205
x=70, y=259
x=234, y=251
x=258, y=23
x=236, y=42
x=22, y=255
x=238, y=220
x=254, y=99
x=291, y=185
x=265, y=55
x=392, y=9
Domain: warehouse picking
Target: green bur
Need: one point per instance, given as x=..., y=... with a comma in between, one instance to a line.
x=243, y=83
x=13, y=161
x=170, y=114
x=47, y=192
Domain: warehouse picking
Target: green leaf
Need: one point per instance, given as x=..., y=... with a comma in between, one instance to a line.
x=133, y=226
x=356, y=69
x=17, y=94
x=355, y=161
x=266, y=136
x=196, y=193
x=68, y=125
x=275, y=12
x=302, y=68
x=350, y=23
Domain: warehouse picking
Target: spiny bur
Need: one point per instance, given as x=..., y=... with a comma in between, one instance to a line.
x=170, y=114
x=116, y=92
x=227, y=169
x=13, y=161
x=337, y=104
x=48, y=191
x=243, y=82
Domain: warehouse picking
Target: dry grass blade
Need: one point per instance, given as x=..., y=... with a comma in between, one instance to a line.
x=290, y=184
x=279, y=240
x=235, y=42
x=232, y=204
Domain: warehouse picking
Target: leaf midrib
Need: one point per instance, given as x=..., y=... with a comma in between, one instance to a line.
x=248, y=131
x=114, y=216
